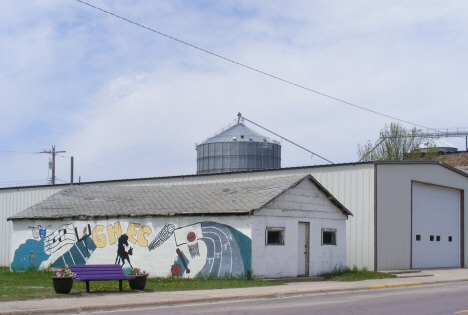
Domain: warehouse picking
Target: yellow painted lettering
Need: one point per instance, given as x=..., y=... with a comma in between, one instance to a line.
x=142, y=241
x=131, y=231
x=99, y=240
x=112, y=231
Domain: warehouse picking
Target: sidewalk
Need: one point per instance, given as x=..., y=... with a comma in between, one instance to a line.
x=121, y=300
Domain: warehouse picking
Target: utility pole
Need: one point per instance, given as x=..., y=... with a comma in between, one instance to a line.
x=53, y=152
x=71, y=175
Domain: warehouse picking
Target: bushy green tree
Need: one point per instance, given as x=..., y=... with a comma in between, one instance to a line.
x=396, y=143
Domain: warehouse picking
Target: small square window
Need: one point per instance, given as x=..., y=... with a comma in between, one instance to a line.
x=450, y=238
x=328, y=237
x=274, y=236
x=418, y=237
x=438, y=238
x=431, y=238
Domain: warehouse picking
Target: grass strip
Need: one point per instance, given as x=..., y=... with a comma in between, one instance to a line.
x=36, y=284
x=354, y=274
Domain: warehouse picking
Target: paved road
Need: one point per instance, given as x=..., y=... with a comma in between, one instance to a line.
x=428, y=299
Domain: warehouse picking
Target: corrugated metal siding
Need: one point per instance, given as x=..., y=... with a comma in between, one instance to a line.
x=242, y=156
x=394, y=208
x=13, y=201
x=351, y=184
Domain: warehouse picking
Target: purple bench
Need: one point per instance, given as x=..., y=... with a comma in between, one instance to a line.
x=99, y=273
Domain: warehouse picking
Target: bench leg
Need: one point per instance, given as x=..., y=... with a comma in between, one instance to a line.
x=120, y=285
x=87, y=286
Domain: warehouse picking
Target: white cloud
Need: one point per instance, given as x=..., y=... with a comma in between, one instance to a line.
x=115, y=95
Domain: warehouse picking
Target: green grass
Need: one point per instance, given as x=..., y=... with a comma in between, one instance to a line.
x=348, y=274
x=36, y=284
x=25, y=285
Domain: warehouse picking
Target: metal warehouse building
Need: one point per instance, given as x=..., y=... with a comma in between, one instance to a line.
x=407, y=214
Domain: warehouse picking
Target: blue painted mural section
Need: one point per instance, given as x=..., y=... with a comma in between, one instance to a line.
x=78, y=254
x=29, y=255
x=245, y=247
x=225, y=250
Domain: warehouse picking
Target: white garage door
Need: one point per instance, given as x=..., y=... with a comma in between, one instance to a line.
x=435, y=227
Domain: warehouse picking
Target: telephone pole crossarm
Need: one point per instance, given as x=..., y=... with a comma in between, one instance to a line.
x=53, y=152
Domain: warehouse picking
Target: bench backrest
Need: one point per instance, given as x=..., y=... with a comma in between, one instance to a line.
x=97, y=271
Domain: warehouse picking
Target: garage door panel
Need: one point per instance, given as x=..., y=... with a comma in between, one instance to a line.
x=436, y=212
x=446, y=227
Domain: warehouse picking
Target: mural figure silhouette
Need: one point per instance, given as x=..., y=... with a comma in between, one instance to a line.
x=122, y=254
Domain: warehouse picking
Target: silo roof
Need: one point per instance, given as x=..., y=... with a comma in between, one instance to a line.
x=239, y=132
x=435, y=142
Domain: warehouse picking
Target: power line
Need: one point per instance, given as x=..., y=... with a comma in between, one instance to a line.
x=16, y=152
x=106, y=168
x=25, y=182
x=313, y=153
x=375, y=147
x=253, y=69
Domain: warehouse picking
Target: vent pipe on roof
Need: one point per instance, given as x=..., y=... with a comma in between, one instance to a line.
x=71, y=171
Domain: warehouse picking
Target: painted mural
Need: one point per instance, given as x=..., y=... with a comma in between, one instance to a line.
x=207, y=248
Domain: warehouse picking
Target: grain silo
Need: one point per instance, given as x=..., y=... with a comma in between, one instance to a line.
x=236, y=149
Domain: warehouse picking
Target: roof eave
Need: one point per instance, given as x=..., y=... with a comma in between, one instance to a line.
x=97, y=217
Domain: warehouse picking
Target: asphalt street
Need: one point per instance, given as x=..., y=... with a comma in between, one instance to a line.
x=448, y=298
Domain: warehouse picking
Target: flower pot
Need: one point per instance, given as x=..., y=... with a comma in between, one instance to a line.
x=62, y=285
x=138, y=283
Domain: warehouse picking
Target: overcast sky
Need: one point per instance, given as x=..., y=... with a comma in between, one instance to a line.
x=134, y=103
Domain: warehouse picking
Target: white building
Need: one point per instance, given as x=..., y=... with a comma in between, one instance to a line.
x=398, y=207
x=274, y=227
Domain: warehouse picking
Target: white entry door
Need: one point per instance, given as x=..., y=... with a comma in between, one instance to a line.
x=303, y=249
x=435, y=227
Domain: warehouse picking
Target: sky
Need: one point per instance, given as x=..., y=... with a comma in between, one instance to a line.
x=126, y=102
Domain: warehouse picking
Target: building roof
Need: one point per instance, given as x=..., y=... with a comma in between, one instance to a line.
x=239, y=132
x=188, y=176
x=437, y=143
x=462, y=168
x=239, y=197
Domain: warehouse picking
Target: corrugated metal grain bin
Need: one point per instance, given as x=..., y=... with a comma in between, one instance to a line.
x=236, y=149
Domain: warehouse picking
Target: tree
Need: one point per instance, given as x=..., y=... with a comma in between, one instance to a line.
x=396, y=143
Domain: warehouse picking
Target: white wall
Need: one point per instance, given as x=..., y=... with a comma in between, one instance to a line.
x=304, y=203
x=103, y=242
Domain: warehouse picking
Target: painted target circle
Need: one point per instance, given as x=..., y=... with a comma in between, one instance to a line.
x=191, y=236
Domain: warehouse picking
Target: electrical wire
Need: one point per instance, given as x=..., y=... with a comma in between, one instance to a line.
x=106, y=168
x=254, y=69
x=375, y=147
x=25, y=182
x=16, y=152
x=287, y=140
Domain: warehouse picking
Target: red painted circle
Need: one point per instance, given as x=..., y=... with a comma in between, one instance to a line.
x=191, y=236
